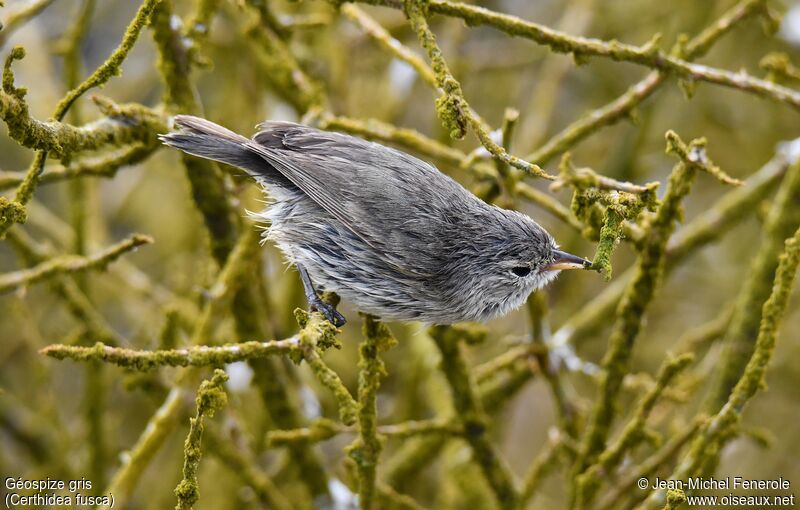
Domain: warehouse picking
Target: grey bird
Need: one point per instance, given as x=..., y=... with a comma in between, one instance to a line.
x=384, y=230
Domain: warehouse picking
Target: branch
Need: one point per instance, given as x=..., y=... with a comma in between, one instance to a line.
x=623, y=106
x=469, y=412
x=625, y=485
x=708, y=444
x=638, y=294
x=705, y=228
x=323, y=429
x=242, y=462
x=389, y=43
x=195, y=356
x=739, y=339
x=123, y=124
x=210, y=398
x=67, y=289
x=105, y=165
x=647, y=55
x=452, y=108
x=366, y=449
x=70, y=264
x=112, y=66
x=317, y=334
x=542, y=465
x=30, y=133
x=609, y=459
x=21, y=16
x=205, y=177
x=373, y=129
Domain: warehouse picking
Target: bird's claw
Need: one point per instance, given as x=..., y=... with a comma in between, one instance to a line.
x=330, y=312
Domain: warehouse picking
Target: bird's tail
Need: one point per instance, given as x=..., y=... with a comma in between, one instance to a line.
x=202, y=138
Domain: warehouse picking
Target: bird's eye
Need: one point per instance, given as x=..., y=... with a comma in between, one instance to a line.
x=521, y=271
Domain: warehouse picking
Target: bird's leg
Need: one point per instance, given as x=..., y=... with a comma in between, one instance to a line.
x=315, y=303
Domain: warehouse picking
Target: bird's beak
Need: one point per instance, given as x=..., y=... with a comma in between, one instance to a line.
x=564, y=260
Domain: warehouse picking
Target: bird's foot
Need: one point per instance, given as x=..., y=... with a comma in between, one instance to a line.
x=328, y=310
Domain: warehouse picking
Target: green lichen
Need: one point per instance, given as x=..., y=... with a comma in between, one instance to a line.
x=11, y=212
x=210, y=398
x=17, y=53
x=675, y=498
x=450, y=105
x=112, y=66
x=366, y=449
x=638, y=294
x=450, y=111
x=316, y=336
x=610, y=235
x=196, y=356
x=603, y=205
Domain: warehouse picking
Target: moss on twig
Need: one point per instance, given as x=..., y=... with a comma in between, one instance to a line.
x=124, y=124
x=316, y=336
x=112, y=66
x=727, y=212
x=603, y=204
x=31, y=133
x=196, y=356
x=451, y=106
x=210, y=399
x=105, y=165
x=71, y=264
x=638, y=294
x=675, y=498
x=367, y=448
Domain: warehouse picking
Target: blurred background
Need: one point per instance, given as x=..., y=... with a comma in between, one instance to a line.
x=44, y=419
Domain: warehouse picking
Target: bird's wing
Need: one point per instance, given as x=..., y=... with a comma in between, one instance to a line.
x=383, y=196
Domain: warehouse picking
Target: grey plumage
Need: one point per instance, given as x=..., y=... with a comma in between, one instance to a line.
x=384, y=230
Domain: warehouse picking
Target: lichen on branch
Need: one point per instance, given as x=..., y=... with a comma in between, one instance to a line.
x=210, y=398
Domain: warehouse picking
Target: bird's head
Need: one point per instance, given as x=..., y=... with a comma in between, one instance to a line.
x=511, y=256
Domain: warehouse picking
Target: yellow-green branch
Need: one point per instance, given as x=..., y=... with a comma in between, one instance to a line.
x=210, y=398
x=70, y=264
x=196, y=356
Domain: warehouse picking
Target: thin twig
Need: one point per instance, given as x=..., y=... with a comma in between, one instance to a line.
x=70, y=264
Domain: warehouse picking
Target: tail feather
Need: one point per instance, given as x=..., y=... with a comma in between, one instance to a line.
x=200, y=126
x=202, y=138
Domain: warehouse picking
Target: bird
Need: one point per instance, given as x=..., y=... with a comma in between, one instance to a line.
x=382, y=229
